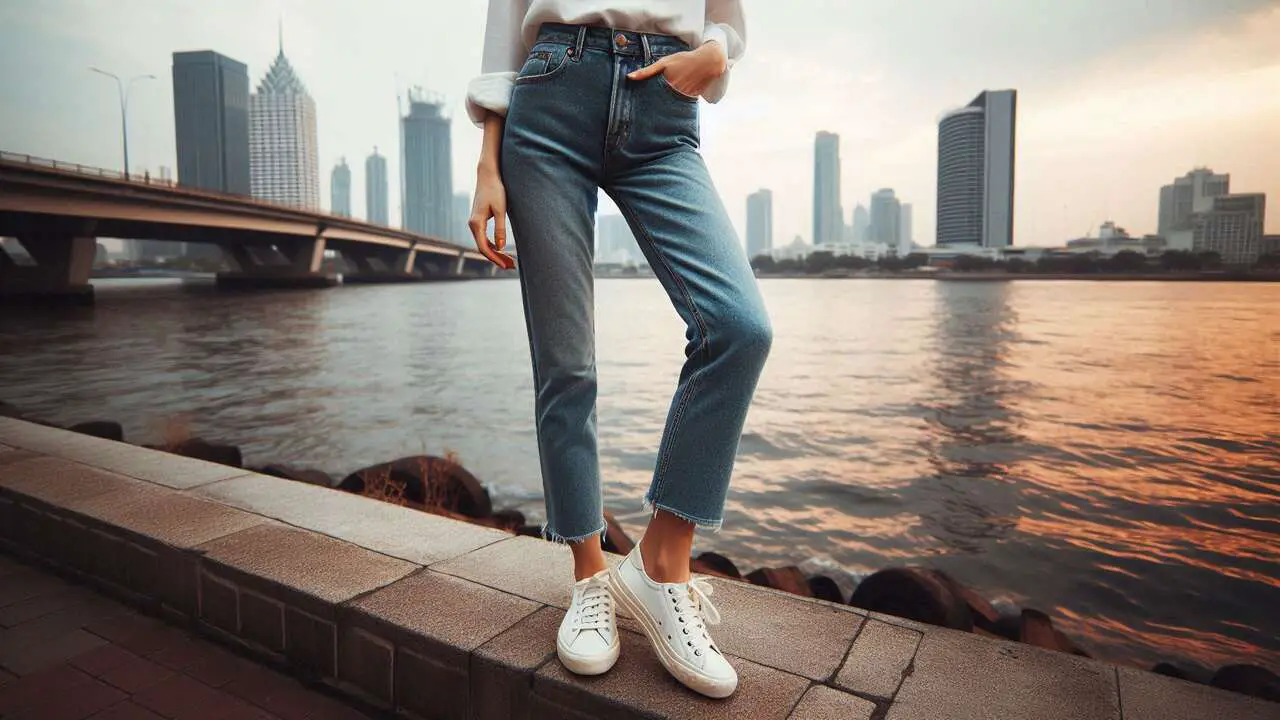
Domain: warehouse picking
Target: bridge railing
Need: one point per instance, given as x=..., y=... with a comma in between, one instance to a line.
x=90, y=170
x=147, y=179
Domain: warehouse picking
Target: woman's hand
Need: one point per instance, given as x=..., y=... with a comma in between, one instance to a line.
x=490, y=200
x=689, y=72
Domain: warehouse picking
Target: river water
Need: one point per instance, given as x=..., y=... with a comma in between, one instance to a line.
x=1106, y=452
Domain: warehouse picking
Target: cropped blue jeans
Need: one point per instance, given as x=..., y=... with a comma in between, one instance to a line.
x=577, y=124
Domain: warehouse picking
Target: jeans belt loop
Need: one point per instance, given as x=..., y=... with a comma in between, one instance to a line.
x=582, y=41
x=644, y=42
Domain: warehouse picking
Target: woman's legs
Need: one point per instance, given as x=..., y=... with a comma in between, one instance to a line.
x=691, y=245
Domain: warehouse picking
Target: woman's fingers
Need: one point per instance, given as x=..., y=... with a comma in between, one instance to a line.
x=479, y=224
x=649, y=71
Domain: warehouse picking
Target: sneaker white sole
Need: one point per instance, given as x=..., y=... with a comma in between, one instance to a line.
x=689, y=677
x=588, y=664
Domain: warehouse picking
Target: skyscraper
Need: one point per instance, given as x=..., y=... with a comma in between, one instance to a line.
x=759, y=222
x=376, y=209
x=283, y=159
x=428, y=167
x=828, y=216
x=340, y=189
x=1191, y=193
x=1232, y=228
x=906, y=238
x=976, y=171
x=861, y=223
x=211, y=121
x=886, y=218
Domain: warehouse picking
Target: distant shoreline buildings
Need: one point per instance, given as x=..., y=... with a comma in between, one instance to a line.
x=340, y=189
x=427, y=158
x=976, y=154
x=376, y=204
x=284, y=159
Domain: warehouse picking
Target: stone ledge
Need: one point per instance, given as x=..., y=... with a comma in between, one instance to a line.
x=429, y=617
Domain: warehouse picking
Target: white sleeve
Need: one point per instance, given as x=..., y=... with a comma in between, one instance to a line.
x=724, y=24
x=504, y=52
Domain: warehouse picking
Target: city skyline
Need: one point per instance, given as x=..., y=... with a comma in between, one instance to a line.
x=885, y=110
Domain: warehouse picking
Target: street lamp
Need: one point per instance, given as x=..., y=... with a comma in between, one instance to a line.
x=124, y=87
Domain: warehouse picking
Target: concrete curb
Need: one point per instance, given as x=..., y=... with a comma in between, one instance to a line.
x=433, y=618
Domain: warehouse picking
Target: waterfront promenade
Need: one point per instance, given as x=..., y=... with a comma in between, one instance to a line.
x=428, y=617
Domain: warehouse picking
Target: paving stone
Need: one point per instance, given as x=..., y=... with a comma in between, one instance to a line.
x=1147, y=696
x=524, y=566
x=127, y=710
x=9, y=455
x=299, y=567
x=30, y=584
x=433, y=622
x=41, y=605
x=137, y=462
x=823, y=703
x=450, y=611
x=400, y=532
x=58, y=482
x=103, y=659
x=754, y=618
x=88, y=698
x=879, y=659
x=638, y=686
x=500, y=668
x=961, y=676
x=37, y=687
x=136, y=674
x=24, y=660
x=167, y=516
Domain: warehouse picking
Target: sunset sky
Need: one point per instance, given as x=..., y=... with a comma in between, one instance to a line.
x=1116, y=97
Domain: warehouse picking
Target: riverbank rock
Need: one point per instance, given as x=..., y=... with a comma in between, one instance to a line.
x=788, y=579
x=511, y=520
x=198, y=449
x=711, y=563
x=104, y=429
x=1248, y=680
x=824, y=588
x=9, y=411
x=310, y=476
x=615, y=538
x=1171, y=670
x=916, y=594
x=425, y=480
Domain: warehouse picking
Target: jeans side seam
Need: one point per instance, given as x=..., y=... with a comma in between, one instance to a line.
x=703, y=346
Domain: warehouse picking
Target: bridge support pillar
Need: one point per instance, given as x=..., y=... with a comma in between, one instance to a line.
x=388, y=265
x=459, y=264
x=287, y=264
x=58, y=273
x=492, y=271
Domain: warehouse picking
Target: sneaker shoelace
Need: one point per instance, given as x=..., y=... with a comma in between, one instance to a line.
x=695, y=611
x=594, y=605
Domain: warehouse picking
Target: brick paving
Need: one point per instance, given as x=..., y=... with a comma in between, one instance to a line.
x=68, y=652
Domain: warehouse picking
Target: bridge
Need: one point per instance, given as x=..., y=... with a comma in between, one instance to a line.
x=57, y=210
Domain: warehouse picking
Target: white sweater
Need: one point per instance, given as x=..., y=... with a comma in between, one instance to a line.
x=513, y=27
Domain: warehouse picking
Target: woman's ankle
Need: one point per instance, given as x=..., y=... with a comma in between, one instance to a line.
x=588, y=558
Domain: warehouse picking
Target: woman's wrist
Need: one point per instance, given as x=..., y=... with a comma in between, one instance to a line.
x=713, y=50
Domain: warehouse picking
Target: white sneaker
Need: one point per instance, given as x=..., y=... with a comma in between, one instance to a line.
x=588, y=640
x=675, y=617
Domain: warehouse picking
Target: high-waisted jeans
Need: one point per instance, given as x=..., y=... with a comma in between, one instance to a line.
x=575, y=124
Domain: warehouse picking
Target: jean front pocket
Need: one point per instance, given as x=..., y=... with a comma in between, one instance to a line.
x=662, y=78
x=545, y=62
